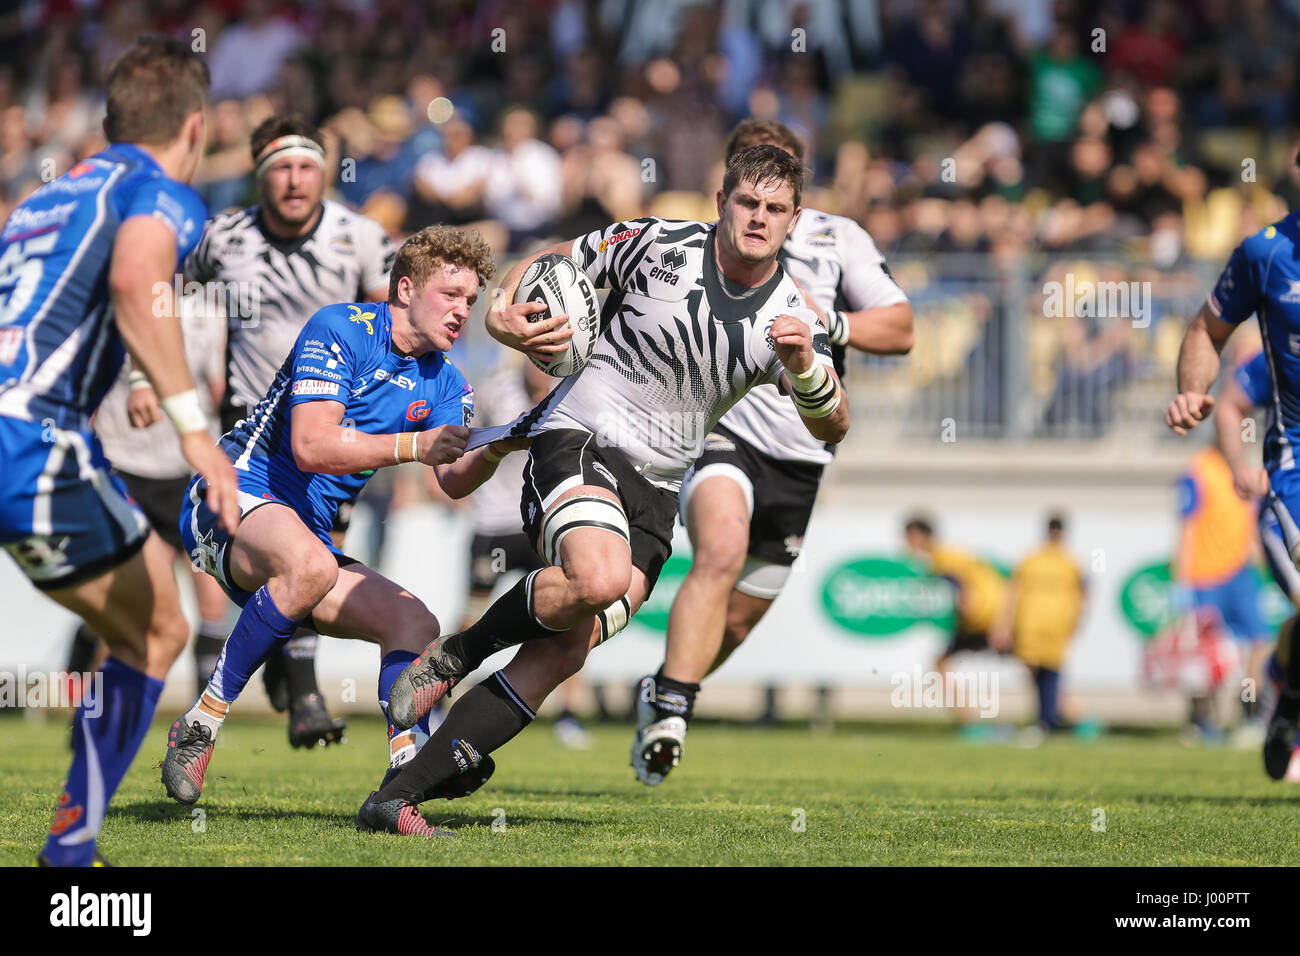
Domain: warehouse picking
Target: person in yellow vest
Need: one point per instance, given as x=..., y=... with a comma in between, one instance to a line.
x=1042, y=611
x=1213, y=562
x=980, y=593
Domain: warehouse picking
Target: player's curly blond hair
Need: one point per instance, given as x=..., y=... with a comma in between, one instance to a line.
x=421, y=254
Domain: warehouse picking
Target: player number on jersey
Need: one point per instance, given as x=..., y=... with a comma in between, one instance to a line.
x=20, y=273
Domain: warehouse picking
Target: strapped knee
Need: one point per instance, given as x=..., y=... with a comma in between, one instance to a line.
x=581, y=511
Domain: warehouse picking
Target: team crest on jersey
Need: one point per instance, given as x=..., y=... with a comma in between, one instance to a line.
x=1292, y=294
x=362, y=318
x=792, y=301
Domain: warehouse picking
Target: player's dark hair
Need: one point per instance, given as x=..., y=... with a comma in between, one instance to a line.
x=1055, y=524
x=152, y=88
x=919, y=524
x=424, y=250
x=273, y=127
x=764, y=164
x=756, y=132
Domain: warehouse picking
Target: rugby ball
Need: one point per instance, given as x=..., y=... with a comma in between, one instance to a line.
x=558, y=283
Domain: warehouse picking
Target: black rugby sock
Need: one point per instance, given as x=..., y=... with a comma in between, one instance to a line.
x=487, y=717
x=1288, y=699
x=208, y=643
x=509, y=621
x=299, y=657
x=674, y=698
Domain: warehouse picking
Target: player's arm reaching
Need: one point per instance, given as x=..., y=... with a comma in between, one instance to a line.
x=810, y=381
x=144, y=260
x=461, y=477
x=1240, y=395
x=323, y=445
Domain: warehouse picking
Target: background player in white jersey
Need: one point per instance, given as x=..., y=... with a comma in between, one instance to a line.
x=747, y=500
x=698, y=314
x=280, y=261
x=499, y=545
x=148, y=459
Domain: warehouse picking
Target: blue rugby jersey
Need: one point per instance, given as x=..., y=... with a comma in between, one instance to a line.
x=1263, y=277
x=344, y=354
x=59, y=348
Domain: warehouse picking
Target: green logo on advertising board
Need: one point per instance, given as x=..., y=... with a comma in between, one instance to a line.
x=654, y=612
x=879, y=597
x=1146, y=600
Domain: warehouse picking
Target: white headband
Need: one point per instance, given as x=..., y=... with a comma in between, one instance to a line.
x=290, y=146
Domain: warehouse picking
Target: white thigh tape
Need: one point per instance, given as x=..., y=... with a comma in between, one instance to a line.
x=582, y=511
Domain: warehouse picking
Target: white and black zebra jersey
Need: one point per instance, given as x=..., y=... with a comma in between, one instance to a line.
x=271, y=287
x=836, y=263
x=155, y=451
x=677, y=349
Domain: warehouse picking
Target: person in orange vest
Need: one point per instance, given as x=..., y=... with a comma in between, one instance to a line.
x=1212, y=567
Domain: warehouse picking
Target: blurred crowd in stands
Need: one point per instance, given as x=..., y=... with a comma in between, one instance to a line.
x=1132, y=139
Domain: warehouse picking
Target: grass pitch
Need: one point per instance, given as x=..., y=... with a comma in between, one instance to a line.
x=861, y=795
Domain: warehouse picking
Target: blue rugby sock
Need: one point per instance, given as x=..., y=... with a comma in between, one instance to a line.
x=1049, y=688
x=402, y=744
x=110, y=726
x=260, y=629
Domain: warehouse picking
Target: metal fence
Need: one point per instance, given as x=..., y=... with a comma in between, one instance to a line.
x=1077, y=347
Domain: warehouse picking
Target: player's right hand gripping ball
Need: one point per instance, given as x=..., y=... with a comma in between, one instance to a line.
x=558, y=283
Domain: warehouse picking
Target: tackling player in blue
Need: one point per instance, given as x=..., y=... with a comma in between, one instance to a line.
x=81, y=263
x=365, y=386
x=1262, y=278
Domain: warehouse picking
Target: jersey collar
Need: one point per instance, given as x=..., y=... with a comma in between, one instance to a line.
x=287, y=246
x=132, y=152
x=723, y=306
